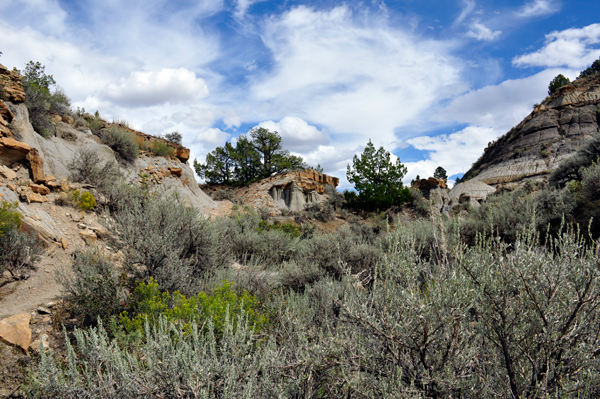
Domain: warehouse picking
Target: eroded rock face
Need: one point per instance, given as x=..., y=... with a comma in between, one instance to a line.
x=552, y=132
x=435, y=190
x=12, y=88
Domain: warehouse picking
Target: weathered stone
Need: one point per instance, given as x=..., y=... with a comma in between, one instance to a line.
x=12, y=151
x=183, y=154
x=88, y=236
x=43, y=310
x=11, y=85
x=37, y=165
x=64, y=243
x=7, y=173
x=176, y=171
x=15, y=330
x=40, y=189
x=42, y=341
x=35, y=197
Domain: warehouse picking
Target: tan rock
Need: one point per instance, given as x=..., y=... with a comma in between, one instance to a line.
x=176, y=171
x=40, y=189
x=37, y=345
x=15, y=330
x=56, y=118
x=52, y=184
x=12, y=150
x=88, y=236
x=68, y=119
x=50, y=178
x=64, y=243
x=37, y=165
x=183, y=154
x=12, y=86
x=7, y=173
x=35, y=197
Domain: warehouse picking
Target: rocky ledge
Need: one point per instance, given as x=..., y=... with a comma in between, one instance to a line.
x=553, y=131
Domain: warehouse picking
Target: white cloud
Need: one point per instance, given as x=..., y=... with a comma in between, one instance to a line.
x=454, y=152
x=156, y=126
x=213, y=136
x=352, y=76
x=538, y=8
x=332, y=159
x=196, y=118
x=468, y=7
x=572, y=48
x=500, y=106
x=44, y=15
x=481, y=32
x=143, y=89
x=242, y=7
x=297, y=135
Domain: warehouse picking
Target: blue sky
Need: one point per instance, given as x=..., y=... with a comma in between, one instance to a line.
x=432, y=81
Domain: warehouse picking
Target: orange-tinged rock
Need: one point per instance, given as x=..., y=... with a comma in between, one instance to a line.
x=183, y=154
x=88, y=236
x=37, y=165
x=40, y=189
x=15, y=145
x=12, y=86
x=176, y=171
x=15, y=330
x=35, y=197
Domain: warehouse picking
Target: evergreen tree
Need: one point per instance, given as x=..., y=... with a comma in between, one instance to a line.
x=558, y=82
x=440, y=173
x=377, y=179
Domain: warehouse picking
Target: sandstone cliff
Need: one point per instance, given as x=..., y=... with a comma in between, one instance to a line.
x=552, y=132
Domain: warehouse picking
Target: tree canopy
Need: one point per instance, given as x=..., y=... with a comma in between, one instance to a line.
x=440, y=173
x=377, y=179
x=255, y=156
x=559, y=81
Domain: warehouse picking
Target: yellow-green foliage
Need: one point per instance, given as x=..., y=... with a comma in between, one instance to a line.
x=84, y=200
x=9, y=218
x=148, y=302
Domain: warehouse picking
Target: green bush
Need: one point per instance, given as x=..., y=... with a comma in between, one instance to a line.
x=556, y=83
x=93, y=287
x=149, y=303
x=122, y=142
x=86, y=166
x=40, y=101
x=19, y=252
x=159, y=148
x=168, y=241
x=286, y=228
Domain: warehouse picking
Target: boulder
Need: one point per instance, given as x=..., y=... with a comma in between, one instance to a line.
x=40, y=189
x=7, y=173
x=88, y=236
x=15, y=331
x=41, y=342
x=175, y=171
x=470, y=188
x=35, y=197
x=12, y=151
x=37, y=165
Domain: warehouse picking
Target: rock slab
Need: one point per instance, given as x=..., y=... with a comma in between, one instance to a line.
x=15, y=330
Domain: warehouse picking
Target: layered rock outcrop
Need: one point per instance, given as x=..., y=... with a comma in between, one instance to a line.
x=290, y=191
x=553, y=131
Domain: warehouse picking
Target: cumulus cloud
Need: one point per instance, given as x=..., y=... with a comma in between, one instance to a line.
x=297, y=135
x=143, y=89
x=481, y=32
x=332, y=159
x=572, y=48
x=538, y=8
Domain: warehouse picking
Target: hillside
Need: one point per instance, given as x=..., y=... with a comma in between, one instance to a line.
x=551, y=133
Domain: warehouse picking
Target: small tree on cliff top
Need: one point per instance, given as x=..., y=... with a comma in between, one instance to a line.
x=377, y=179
